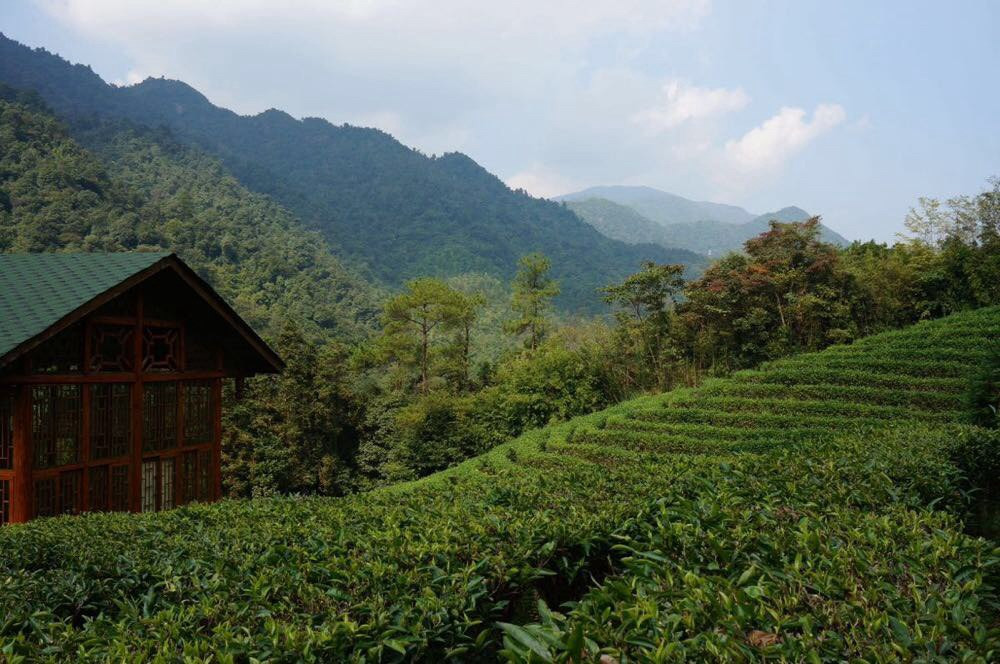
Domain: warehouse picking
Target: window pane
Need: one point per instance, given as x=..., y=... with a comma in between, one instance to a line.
x=199, y=412
x=98, y=489
x=70, y=484
x=45, y=497
x=119, y=489
x=159, y=416
x=55, y=424
x=189, y=477
x=166, y=484
x=110, y=420
x=148, y=486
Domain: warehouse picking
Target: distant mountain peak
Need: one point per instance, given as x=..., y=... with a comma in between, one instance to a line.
x=663, y=207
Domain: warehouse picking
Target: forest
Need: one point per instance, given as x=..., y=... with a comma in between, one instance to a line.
x=382, y=387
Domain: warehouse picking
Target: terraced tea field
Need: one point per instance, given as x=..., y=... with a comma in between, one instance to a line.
x=783, y=513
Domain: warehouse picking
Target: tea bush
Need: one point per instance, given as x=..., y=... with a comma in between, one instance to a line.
x=807, y=511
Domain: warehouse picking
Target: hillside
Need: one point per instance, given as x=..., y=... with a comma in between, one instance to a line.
x=644, y=214
x=709, y=237
x=136, y=189
x=662, y=207
x=782, y=513
x=376, y=201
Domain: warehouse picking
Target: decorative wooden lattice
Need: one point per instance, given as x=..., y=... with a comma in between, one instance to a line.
x=199, y=412
x=6, y=430
x=111, y=349
x=70, y=494
x=159, y=416
x=158, y=484
x=55, y=424
x=149, y=483
x=110, y=420
x=166, y=483
x=189, y=477
x=119, y=488
x=4, y=501
x=45, y=497
x=99, y=489
x=160, y=349
x=63, y=354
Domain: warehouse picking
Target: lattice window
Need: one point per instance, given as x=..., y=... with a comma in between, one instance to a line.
x=111, y=348
x=199, y=412
x=110, y=420
x=45, y=497
x=99, y=489
x=4, y=501
x=63, y=354
x=166, y=484
x=70, y=498
x=159, y=416
x=160, y=349
x=189, y=477
x=205, y=489
x=149, y=486
x=55, y=424
x=119, y=489
x=6, y=430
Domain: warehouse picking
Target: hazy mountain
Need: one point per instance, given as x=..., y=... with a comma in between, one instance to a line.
x=375, y=201
x=663, y=207
x=710, y=237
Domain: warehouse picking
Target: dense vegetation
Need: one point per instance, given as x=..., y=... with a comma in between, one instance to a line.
x=368, y=402
x=402, y=213
x=140, y=190
x=783, y=513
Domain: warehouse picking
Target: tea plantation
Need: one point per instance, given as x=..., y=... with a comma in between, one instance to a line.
x=810, y=510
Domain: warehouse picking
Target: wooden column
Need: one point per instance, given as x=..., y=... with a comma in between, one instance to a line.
x=21, y=498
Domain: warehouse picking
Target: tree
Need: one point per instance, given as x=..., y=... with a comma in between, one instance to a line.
x=414, y=320
x=533, y=291
x=645, y=302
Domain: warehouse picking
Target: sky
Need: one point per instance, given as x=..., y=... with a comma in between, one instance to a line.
x=851, y=110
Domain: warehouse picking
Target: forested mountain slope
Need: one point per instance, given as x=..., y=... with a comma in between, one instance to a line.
x=401, y=212
x=137, y=189
x=801, y=512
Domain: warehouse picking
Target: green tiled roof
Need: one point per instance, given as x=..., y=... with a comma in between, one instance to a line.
x=36, y=290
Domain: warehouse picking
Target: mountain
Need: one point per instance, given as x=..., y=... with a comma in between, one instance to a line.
x=662, y=207
x=375, y=201
x=137, y=189
x=631, y=215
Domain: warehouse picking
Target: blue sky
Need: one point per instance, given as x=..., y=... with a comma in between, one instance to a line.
x=848, y=109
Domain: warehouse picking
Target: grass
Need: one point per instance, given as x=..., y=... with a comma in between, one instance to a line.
x=808, y=511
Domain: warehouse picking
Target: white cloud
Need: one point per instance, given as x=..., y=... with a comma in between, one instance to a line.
x=680, y=102
x=542, y=182
x=766, y=148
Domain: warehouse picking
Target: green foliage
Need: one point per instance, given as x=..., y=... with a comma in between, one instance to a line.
x=531, y=297
x=824, y=547
x=139, y=190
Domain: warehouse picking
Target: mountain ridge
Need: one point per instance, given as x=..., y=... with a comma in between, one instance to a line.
x=710, y=236
x=401, y=213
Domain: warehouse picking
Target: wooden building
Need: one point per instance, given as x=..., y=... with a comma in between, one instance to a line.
x=111, y=371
